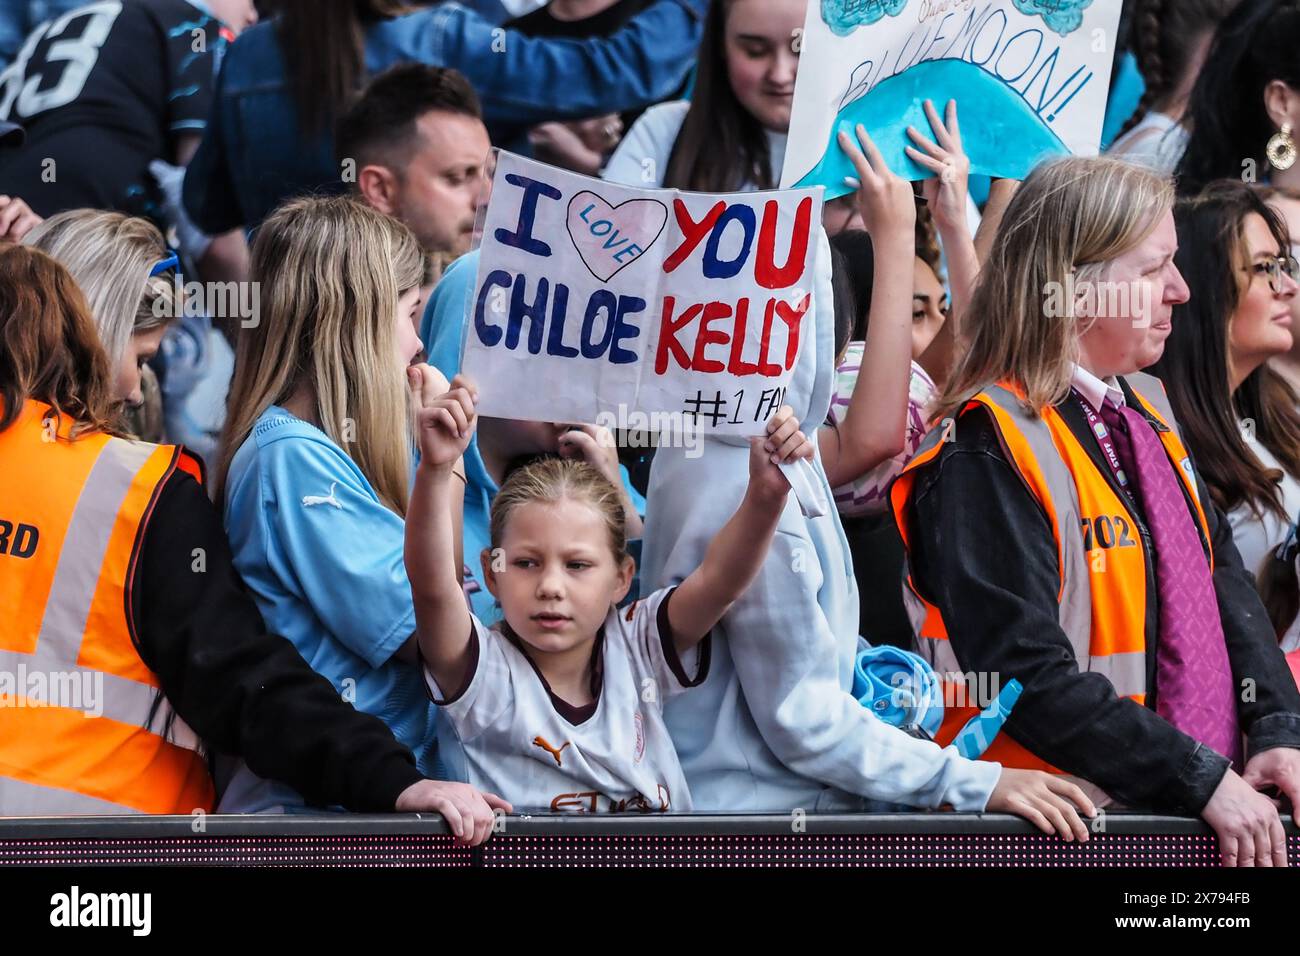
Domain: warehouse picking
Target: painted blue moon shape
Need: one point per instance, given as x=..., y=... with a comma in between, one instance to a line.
x=1002, y=135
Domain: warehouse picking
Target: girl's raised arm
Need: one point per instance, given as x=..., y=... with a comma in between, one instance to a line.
x=737, y=553
x=874, y=427
x=947, y=194
x=444, y=424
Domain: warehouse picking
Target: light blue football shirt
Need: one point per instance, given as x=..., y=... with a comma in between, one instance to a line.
x=323, y=558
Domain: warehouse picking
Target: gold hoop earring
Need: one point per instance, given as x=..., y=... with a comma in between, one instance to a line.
x=1281, y=149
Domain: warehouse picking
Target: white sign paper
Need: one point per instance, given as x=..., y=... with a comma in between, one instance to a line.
x=595, y=299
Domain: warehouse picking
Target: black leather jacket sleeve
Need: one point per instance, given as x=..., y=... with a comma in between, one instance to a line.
x=1268, y=699
x=244, y=691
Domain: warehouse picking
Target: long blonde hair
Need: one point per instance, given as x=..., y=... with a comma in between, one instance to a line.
x=1070, y=219
x=330, y=271
x=110, y=255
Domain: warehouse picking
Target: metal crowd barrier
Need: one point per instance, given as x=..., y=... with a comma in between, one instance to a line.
x=870, y=841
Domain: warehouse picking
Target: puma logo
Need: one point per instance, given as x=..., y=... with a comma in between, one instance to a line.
x=310, y=500
x=541, y=742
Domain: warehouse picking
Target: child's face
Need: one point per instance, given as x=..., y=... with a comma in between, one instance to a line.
x=558, y=577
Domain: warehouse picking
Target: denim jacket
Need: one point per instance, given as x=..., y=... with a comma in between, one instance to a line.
x=254, y=154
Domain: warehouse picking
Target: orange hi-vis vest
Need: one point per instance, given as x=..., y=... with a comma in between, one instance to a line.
x=1100, y=553
x=84, y=728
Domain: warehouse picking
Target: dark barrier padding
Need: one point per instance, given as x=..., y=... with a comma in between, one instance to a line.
x=696, y=841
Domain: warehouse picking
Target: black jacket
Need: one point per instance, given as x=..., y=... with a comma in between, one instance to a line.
x=243, y=691
x=984, y=554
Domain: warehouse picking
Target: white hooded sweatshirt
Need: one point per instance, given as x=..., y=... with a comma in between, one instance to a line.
x=773, y=729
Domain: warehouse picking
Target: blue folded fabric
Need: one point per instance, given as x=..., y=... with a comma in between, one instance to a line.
x=973, y=739
x=903, y=690
x=900, y=688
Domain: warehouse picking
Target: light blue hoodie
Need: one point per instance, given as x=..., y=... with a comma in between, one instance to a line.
x=774, y=728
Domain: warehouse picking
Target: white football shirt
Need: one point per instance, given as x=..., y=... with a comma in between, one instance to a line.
x=543, y=754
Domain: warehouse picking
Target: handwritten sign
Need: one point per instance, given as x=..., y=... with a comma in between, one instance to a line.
x=1030, y=78
x=596, y=301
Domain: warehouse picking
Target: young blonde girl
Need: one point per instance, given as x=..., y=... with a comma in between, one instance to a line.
x=559, y=706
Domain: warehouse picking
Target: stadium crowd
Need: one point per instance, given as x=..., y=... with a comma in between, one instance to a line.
x=272, y=532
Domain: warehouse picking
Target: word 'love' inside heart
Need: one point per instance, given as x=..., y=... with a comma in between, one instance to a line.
x=611, y=238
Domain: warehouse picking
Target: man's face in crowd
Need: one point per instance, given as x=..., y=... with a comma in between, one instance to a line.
x=438, y=191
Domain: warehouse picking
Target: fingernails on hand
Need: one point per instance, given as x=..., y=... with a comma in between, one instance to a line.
x=852, y=182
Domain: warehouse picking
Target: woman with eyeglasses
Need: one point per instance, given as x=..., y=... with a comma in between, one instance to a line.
x=1239, y=416
x=1286, y=202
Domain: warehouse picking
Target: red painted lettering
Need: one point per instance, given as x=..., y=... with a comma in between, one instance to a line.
x=792, y=316
x=693, y=233
x=737, y=365
x=668, y=329
x=769, y=369
x=766, y=272
x=712, y=312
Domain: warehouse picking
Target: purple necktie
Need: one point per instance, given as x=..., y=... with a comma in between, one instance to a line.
x=1194, y=686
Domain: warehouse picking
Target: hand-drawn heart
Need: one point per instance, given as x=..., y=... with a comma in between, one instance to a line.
x=611, y=238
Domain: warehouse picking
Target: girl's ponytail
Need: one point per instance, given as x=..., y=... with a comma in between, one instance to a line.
x=1150, y=59
x=1166, y=34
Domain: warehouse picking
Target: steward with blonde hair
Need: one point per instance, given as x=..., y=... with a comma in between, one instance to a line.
x=1058, y=534
x=1066, y=224
x=99, y=538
